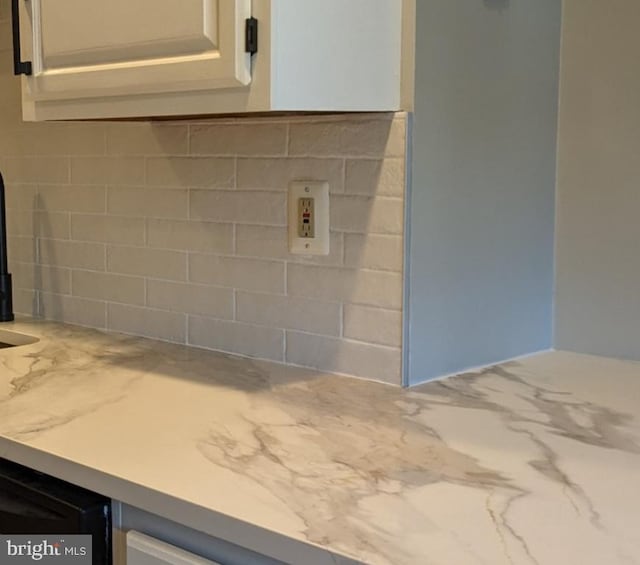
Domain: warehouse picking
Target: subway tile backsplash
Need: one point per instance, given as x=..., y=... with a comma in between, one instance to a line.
x=177, y=231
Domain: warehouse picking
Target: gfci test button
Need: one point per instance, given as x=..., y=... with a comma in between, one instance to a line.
x=50, y=549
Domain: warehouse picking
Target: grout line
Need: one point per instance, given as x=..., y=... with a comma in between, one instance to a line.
x=348, y=340
x=235, y=305
x=286, y=278
x=270, y=156
x=287, y=146
x=145, y=173
x=285, y=335
x=235, y=173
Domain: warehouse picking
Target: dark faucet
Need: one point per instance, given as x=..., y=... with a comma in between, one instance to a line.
x=6, y=294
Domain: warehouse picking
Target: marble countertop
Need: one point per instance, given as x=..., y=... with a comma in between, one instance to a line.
x=529, y=462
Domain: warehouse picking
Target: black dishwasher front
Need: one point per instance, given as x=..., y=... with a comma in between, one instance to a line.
x=35, y=503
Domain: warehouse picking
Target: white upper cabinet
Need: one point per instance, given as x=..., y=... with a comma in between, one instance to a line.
x=146, y=58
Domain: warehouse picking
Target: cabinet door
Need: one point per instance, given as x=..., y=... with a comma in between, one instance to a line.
x=145, y=550
x=88, y=48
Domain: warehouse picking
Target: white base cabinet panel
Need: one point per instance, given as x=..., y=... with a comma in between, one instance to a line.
x=144, y=538
x=134, y=530
x=145, y=550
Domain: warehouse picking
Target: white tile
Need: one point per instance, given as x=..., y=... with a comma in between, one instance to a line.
x=87, y=199
x=194, y=235
x=373, y=288
x=148, y=202
x=289, y=312
x=190, y=172
x=343, y=356
x=276, y=174
x=144, y=261
x=190, y=298
x=243, y=339
x=147, y=139
x=361, y=214
x=108, y=287
x=373, y=325
x=375, y=177
x=239, y=139
x=77, y=254
x=273, y=243
x=168, y=326
x=381, y=136
x=107, y=229
x=266, y=208
x=73, y=310
x=245, y=274
x=373, y=251
x=123, y=170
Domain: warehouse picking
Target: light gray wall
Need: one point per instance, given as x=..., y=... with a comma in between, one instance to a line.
x=480, y=286
x=598, y=235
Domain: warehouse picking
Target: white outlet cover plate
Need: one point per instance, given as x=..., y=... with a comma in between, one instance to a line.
x=319, y=191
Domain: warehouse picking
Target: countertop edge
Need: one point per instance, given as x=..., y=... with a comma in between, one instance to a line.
x=243, y=534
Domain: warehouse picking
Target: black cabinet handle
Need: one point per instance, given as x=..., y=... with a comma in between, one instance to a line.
x=19, y=67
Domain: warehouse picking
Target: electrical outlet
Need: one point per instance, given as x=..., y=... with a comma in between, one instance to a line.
x=306, y=218
x=309, y=217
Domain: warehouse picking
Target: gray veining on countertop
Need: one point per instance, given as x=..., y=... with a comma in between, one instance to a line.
x=535, y=461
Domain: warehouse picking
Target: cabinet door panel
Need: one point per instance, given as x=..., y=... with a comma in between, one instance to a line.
x=122, y=30
x=84, y=48
x=145, y=550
